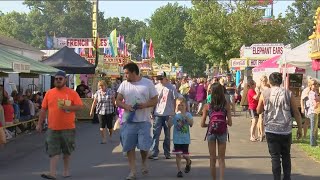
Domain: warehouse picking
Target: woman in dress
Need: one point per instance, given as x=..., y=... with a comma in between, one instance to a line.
x=104, y=101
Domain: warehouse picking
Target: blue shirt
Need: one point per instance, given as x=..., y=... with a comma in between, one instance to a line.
x=16, y=111
x=181, y=131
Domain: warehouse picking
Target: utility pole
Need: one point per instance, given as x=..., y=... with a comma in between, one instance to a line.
x=95, y=36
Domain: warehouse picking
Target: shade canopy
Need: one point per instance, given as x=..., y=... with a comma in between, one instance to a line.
x=272, y=65
x=8, y=58
x=70, y=62
x=298, y=56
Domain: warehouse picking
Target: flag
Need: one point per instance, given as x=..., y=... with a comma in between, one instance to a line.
x=118, y=42
x=49, y=41
x=121, y=45
x=90, y=53
x=77, y=50
x=151, y=50
x=125, y=50
x=144, y=50
x=83, y=52
x=113, y=43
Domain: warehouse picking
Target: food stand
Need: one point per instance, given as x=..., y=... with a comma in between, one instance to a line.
x=145, y=66
x=253, y=56
x=293, y=75
x=315, y=44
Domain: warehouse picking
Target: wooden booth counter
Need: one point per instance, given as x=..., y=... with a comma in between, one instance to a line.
x=84, y=114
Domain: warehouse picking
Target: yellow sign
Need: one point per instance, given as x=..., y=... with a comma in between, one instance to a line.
x=315, y=37
x=94, y=22
x=238, y=63
x=165, y=67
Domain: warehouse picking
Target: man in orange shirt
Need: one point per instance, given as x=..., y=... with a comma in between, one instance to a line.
x=61, y=103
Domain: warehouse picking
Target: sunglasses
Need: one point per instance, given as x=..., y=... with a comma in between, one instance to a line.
x=58, y=78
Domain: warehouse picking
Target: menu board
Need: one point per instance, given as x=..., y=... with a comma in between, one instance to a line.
x=295, y=80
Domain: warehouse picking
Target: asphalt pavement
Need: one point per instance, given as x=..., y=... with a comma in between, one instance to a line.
x=25, y=158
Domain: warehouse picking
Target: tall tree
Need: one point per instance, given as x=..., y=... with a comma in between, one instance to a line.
x=16, y=25
x=166, y=28
x=62, y=18
x=300, y=20
x=218, y=30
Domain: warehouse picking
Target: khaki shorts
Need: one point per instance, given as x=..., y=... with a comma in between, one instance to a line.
x=60, y=141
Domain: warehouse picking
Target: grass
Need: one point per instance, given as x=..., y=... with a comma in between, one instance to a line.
x=304, y=144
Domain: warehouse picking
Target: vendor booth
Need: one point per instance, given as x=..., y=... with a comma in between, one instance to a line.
x=292, y=75
x=315, y=44
x=253, y=56
x=70, y=62
x=11, y=62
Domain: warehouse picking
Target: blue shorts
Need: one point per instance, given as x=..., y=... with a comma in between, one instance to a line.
x=136, y=134
x=220, y=138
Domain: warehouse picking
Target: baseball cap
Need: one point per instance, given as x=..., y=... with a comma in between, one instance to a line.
x=61, y=73
x=161, y=75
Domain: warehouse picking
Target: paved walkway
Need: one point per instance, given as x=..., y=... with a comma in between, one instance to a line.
x=25, y=158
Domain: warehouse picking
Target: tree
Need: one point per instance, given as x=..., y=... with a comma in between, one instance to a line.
x=15, y=25
x=300, y=21
x=62, y=18
x=166, y=28
x=217, y=31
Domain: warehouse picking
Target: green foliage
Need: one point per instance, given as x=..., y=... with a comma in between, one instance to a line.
x=304, y=144
x=211, y=31
x=67, y=19
x=166, y=27
x=217, y=31
x=15, y=25
x=300, y=20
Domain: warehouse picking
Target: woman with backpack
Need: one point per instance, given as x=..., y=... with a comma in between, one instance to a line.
x=219, y=114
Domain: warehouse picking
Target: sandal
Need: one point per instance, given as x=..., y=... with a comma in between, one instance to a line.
x=131, y=177
x=47, y=176
x=144, y=171
x=253, y=140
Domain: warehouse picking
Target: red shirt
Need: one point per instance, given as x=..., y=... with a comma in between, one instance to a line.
x=252, y=102
x=8, y=112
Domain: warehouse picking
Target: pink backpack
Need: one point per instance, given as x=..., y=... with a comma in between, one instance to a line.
x=217, y=121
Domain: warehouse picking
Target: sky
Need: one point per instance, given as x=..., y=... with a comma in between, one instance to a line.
x=139, y=10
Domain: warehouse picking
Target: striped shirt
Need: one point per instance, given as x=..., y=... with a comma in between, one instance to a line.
x=104, y=102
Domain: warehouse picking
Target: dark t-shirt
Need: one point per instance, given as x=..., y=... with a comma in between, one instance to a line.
x=24, y=108
x=232, y=85
x=81, y=90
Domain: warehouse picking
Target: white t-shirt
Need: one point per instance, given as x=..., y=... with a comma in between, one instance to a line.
x=138, y=92
x=166, y=100
x=32, y=108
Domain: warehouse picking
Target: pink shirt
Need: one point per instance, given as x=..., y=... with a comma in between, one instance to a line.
x=251, y=101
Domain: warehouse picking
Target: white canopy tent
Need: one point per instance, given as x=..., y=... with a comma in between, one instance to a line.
x=299, y=57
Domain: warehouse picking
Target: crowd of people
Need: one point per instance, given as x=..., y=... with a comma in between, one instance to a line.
x=17, y=107
x=142, y=103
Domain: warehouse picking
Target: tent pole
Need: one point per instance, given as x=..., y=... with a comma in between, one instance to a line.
x=19, y=84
